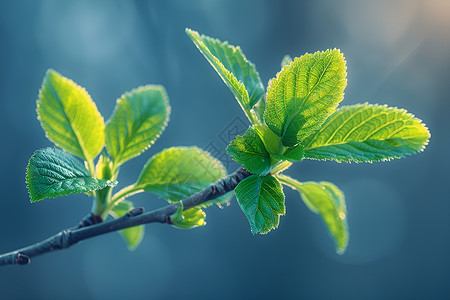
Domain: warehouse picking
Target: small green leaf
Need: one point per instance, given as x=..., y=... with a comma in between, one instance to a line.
x=236, y=71
x=366, y=133
x=304, y=94
x=69, y=117
x=139, y=118
x=132, y=236
x=325, y=199
x=248, y=150
x=189, y=218
x=178, y=172
x=287, y=59
x=291, y=154
x=262, y=201
x=52, y=172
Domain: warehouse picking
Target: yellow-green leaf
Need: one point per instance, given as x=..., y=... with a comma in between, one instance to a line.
x=69, y=117
x=366, y=133
x=178, y=172
x=304, y=94
x=326, y=200
x=238, y=73
x=138, y=119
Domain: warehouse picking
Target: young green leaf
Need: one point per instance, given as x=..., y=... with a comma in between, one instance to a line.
x=325, y=199
x=52, y=172
x=69, y=117
x=178, y=172
x=189, y=218
x=133, y=235
x=248, y=150
x=304, y=94
x=366, y=133
x=291, y=154
x=138, y=119
x=236, y=71
x=262, y=201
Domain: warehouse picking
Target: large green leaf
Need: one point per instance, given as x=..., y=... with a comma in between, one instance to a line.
x=236, y=71
x=178, y=172
x=325, y=199
x=249, y=151
x=52, y=172
x=189, y=218
x=69, y=116
x=367, y=133
x=133, y=235
x=262, y=201
x=304, y=94
x=138, y=119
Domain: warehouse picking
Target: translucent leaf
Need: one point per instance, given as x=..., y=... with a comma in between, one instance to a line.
x=262, y=201
x=69, y=117
x=178, y=172
x=291, y=154
x=325, y=199
x=52, y=172
x=304, y=94
x=236, y=71
x=365, y=133
x=248, y=150
x=139, y=118
x=133, y=235
x=189, y=218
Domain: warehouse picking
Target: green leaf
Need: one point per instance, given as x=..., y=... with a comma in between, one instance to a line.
x=236, y=71
x=304, y=94
x=325, y=199
x=178, y=172
x=248, y=150
x=291, y=154
x=262, y=201
x=133, y=235
x=139, y=118
x=189, y=218
x=52, y=172
x=366, y=133
x=69, y=117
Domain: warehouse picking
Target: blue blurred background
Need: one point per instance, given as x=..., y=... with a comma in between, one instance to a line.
x=398, y=53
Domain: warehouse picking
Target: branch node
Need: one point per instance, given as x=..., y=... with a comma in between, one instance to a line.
x=65, y=238
x=21, y=259
x=135, y=212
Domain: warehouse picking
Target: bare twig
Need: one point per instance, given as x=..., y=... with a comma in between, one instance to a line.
x=88, y=226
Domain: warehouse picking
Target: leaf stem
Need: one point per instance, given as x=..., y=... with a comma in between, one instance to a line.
x=280, y=166
x=122, y=194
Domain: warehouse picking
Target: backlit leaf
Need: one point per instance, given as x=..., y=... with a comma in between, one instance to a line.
x=262, y=201
x=365, y=133
x=69, y=116
x=236, y=71
x=189, y=218
x=52, y=172
x=326, y=200
x=178, y=172
x=133, y=235
x=304, y=94
x=138, y=119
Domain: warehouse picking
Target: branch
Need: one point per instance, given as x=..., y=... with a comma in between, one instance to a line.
x=88, y=227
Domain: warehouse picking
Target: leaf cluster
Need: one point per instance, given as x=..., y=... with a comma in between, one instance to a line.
x=297, y=118
x=73, y=123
